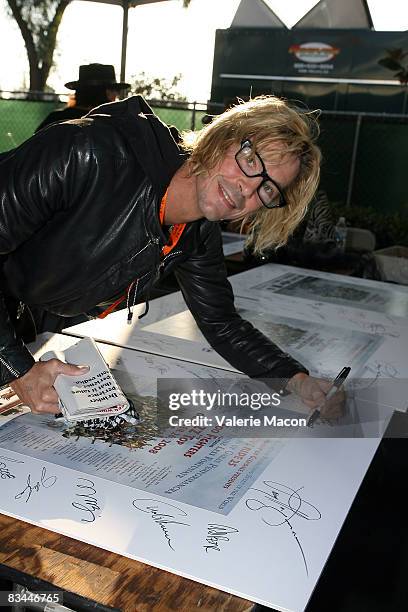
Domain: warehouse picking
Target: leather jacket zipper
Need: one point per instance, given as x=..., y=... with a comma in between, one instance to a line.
x=141, y=250
x=135, y=283
x=129, y=308
x=166, y=258
x=126, y=295
x=9, y=367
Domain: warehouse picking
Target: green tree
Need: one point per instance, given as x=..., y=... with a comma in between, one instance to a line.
x=39, y=21
x=157, y=88
x=397, y=61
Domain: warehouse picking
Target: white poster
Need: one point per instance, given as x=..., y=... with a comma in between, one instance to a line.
x=270, y=547
x=179, y=466
x=256, y=518
x=323, y=349
x=336, y=291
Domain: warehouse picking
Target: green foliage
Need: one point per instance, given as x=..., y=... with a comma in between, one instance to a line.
x=38, y=21
x=157, y=88
x=39, y=14
x=389, y=229
x=394, y=60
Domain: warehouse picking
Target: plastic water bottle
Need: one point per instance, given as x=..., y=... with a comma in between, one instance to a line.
x=341, y=234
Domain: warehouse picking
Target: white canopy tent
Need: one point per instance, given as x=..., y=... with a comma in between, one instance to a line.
x=347, y=14
x=255, y=14
x=342, y=14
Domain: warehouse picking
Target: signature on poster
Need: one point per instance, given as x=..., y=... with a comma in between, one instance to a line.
x=45, y=482
x=280, y=505
x=87, y=502
x=5, y=470
x=163, y=514
x=383, y=369
x=216, y=534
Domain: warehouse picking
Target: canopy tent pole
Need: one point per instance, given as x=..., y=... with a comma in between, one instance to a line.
x=125, y=6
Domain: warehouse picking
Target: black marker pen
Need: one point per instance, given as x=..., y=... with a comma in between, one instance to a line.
x=337, y=383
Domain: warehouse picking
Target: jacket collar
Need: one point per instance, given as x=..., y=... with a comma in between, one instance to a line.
x=148, y=137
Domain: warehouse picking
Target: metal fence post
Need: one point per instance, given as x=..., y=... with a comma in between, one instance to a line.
x=193, y=117
x=353, y=159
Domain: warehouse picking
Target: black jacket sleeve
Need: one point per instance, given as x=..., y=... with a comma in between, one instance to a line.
x=32, y=189
x=209, y=296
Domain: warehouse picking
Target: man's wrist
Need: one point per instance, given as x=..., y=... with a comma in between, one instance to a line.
x=295, y=382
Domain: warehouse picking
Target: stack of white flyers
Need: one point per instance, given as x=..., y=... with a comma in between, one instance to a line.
x=95, y=394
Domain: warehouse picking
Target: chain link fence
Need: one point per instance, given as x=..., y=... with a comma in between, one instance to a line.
x=19, y=118
x=20, y=115
x=365, y=159
x=364, y=155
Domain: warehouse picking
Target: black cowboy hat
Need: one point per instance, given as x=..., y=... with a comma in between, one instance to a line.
x=96, y=75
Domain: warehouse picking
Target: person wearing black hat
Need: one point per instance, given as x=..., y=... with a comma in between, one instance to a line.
x=96, y=85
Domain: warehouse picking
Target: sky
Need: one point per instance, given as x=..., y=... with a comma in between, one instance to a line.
x=164, y=39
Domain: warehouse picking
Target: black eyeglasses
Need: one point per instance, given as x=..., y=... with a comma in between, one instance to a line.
x=252, y=165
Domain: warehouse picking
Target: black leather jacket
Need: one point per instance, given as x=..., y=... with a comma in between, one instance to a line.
x=79, y=222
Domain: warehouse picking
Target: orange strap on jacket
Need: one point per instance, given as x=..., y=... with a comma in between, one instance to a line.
x=175, y=231
x=174, y=237
x=112, y=307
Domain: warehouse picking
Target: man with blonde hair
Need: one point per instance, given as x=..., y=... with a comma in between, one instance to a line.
x=95, y=211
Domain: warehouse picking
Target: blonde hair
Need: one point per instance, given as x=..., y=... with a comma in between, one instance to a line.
x=265, y=120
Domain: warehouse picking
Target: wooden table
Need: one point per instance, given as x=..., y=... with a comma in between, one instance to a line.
x=43, y=560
